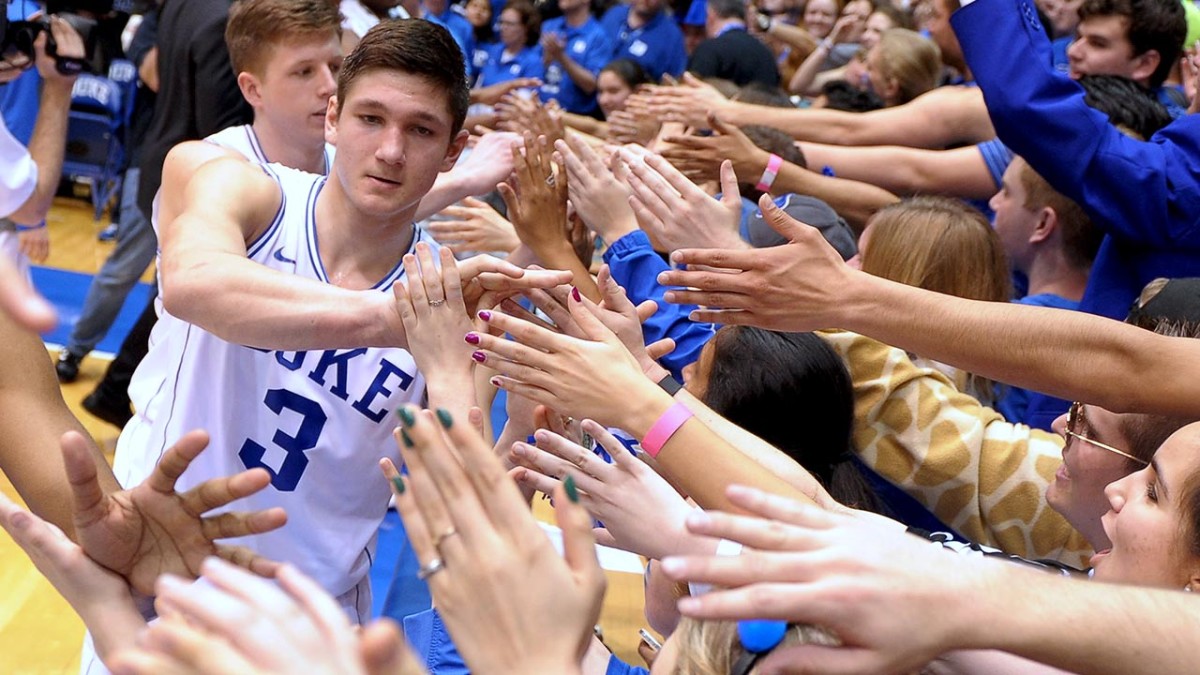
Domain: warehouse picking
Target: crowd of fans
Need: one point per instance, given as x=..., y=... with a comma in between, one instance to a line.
x=869, y=326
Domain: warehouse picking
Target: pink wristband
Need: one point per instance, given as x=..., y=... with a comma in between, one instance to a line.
x=665, y=428
x=768, y=177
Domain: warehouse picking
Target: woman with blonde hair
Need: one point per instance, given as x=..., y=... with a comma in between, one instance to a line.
x=941, y=245
x=903, y=65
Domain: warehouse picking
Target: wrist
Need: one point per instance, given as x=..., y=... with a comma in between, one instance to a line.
x=650, y=404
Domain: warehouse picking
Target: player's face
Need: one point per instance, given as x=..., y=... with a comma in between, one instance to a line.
x=393, y=136
x=1102, y=47
x=299, y=78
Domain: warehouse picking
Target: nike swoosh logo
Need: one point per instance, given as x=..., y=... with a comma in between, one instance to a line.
x=279, y=256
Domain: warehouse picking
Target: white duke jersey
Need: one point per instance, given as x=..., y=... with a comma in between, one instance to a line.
x=317, y=421
x=243, y=139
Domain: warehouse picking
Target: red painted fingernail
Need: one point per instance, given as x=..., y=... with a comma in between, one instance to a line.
x=575, y=294
x=496, y=382
x=479, y=356
x=485, y=315
x=472, y=338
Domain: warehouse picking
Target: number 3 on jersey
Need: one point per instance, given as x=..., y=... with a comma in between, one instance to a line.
x=312, y=421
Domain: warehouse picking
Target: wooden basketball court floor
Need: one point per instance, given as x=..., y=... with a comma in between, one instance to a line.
x=39, y=632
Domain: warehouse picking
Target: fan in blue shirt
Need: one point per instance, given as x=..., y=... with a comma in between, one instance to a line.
x=644, y=33
x=574, y=49
x=518, y=54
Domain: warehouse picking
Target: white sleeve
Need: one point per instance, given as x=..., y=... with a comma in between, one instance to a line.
x=18, y=173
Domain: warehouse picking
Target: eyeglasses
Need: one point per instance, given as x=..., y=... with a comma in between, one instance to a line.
x=1075, y=418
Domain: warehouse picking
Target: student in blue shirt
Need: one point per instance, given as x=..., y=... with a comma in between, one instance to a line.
x=644, y=33
x=574, y=49
x=441, y=13
x=517, y=55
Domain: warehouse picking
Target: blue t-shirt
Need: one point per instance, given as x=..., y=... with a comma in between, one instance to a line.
x=460, y=29
x=657, y=46
x=589, y=46
x=496, y=68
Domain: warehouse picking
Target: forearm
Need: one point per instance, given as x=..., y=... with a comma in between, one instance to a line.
x=853, y=200
x=793, y=36
x=1072, y=355
x=1158, y=629
x=585, y=124
x=581, y=76
x=559, y=255
x=448, y=189
x=452, y=388
x=260, y=307
x=36, y=418
x=755, y=448
x=802, y=79
x=47, y=146
x=907, y=171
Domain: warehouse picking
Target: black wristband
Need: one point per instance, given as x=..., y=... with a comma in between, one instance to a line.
x=670, y=385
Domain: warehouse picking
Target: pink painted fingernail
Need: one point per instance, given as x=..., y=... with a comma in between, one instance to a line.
x=480, y=357
x=496, y=382
x=472, y=338
x=485, y=315
x=575, y=294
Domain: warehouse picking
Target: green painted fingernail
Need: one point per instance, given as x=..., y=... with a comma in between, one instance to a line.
x=398, y=482
x=408, y=442
x=444, y=417
x=572, y=491
x=406, y=416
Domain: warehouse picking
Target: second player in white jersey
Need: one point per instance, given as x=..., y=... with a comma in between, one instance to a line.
x=317, y=421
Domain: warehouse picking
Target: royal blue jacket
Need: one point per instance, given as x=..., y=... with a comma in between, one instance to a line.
x=1144, y=195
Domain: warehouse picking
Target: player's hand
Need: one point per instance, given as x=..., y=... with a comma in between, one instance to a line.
x=151, y=529
x=512, y=603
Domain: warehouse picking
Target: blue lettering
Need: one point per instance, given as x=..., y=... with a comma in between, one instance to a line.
x=294, y=363
x=377, y=388
x=340, y=360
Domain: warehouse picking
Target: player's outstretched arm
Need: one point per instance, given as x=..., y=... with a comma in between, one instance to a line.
x=206, y=222
x=806, y=286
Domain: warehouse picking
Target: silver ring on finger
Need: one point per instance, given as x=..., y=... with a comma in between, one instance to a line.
x=431, y=568
x=550, y=180
x=436, y=303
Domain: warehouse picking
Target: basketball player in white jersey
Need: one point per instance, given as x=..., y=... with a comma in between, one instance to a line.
x=279, y=334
